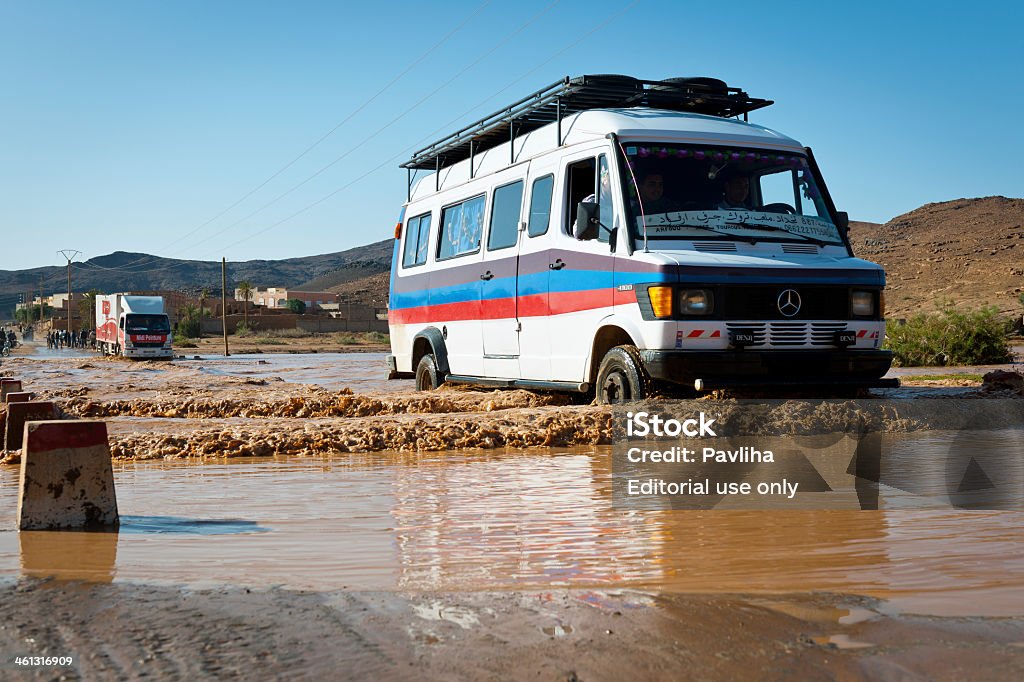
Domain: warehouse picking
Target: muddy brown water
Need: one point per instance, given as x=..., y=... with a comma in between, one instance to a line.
x=362, y=372
x=478, y=520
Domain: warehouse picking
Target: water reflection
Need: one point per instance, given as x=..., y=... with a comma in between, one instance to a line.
x=551, y=521
x=69, y=555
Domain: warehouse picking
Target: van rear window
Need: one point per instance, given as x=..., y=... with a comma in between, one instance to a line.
x=416, y=231
x=461, y=228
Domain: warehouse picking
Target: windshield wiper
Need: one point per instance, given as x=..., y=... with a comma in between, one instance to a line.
x=776, y=228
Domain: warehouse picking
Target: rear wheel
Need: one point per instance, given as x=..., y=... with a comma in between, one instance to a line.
x=427, y=376
x=621, y=377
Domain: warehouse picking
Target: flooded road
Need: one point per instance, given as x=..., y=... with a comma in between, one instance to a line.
x=362, y=372
x=485, y=520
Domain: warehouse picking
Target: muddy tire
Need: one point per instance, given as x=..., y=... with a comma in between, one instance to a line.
x=427, y=376
x=621, y=377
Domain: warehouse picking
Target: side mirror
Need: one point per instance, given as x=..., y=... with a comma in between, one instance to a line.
x=588, y=220
x=843, y=221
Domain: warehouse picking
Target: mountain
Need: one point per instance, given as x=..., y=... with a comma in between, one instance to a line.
x=125, y=271
x=968, y=251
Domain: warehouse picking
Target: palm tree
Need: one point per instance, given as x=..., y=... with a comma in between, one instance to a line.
x=87, y=307
x=203, y=295
x=189, y=320
x=246, y=290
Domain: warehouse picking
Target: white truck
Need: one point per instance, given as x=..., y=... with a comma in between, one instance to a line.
x=133, y=326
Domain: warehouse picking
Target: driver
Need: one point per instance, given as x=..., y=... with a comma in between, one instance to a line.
x=652, y=195
x=736, y=194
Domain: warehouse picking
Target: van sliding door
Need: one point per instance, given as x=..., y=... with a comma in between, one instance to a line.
x=499, y=269
x=534, y=272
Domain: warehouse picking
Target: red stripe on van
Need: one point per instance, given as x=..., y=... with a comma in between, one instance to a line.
x=575, y=301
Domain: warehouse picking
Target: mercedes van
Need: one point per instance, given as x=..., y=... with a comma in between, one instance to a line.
x=606, y=233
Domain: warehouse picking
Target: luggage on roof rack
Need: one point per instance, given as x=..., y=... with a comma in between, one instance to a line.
x=572, y=95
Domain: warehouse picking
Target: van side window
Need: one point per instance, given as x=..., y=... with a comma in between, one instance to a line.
x=581, y=180
x=540, y=205
x=416, y=231
x=506, y=206
x=604, y=199
x=461, y=228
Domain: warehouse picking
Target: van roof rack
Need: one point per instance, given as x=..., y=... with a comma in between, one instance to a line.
x=572, y=95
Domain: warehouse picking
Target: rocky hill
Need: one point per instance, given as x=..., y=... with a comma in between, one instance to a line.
x=969, y=252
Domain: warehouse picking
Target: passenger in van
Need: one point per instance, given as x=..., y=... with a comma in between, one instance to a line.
x=736, y=194
x=652, y=194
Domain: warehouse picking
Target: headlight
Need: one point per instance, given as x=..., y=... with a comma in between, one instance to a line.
x=862, y=303
x=696, y=302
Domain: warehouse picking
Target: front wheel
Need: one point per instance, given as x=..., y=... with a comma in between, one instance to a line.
x=621, y=377
x=427, y=376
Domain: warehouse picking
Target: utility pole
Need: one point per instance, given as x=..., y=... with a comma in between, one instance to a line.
x=224, y=302
x=74, y=254
x=40, y=302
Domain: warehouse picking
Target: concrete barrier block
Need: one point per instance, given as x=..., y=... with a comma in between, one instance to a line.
x=18, y=414
x=66, y=477
x=22, y=397
x=9, y=386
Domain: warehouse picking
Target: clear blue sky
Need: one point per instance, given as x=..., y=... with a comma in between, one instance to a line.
x=128, y=125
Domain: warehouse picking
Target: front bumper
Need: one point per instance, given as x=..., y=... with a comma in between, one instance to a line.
x=749, y=368
x=148, y=352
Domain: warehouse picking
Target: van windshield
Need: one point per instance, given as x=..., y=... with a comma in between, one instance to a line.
x=147, y=324
x=709, y=192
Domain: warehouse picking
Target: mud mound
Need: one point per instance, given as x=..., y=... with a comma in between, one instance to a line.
x=344, y=404
x=1004, y=382
x=553, y=429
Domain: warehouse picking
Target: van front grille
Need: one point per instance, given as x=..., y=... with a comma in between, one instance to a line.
x=789, y=334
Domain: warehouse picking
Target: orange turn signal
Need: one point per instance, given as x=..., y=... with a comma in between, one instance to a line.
x=398, y=231
x=661, y=301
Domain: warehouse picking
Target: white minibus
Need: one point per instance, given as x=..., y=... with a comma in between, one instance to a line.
x=607, y=234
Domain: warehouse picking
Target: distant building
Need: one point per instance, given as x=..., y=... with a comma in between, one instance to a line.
x=277, y=297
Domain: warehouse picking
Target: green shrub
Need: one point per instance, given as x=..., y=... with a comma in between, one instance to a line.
x=288, y=333
x=296, y=306
x=188, y=327
x=359, y=338
x=1021, y=298
x=267, y=341
x=950, y=337
x=183, y=342
x=243, y=330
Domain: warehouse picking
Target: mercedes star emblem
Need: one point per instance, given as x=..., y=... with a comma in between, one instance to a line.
x=789, y=302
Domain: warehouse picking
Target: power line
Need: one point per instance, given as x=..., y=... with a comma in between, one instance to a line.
x=406, y=111
x=446, y=126
x=323, y=137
